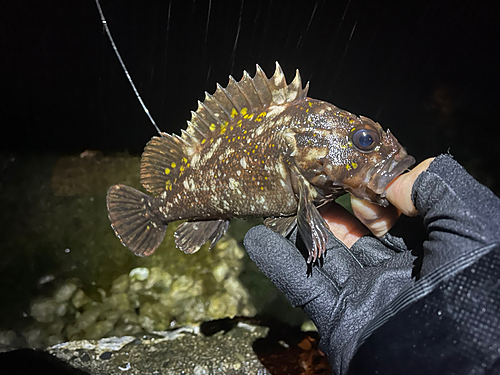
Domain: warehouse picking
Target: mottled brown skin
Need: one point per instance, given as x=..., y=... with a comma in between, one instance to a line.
x=246, y=171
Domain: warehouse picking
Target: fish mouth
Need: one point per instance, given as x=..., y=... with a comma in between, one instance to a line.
x=383, y=173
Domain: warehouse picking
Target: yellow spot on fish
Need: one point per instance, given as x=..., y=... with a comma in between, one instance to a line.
x=188, y=164
x=250, y=116
x=310, y=104
x=223, y=128
x=173, y=165
x=261, y=116
x=184, y=160
x=167, y=170
x=239, y=137
x=353, y=128
x=354, y=165
x=243, y=111
x=168, y=185
x=147, y=227
x=262, y=188
x=256, y=147
x=349, y=144
x=212, y=127
x=307, y=110
x=231, y=128
x=181, y=168
x=240, y=122
x=262, y=161
x=348, y=167
x=244, y=132
x=203, y=141
x=351, y=121
x=265, y=177
x=234, y=113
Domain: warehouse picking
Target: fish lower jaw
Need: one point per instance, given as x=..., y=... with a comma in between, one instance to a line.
x=383, y=174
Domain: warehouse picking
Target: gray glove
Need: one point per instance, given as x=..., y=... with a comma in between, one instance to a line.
x=345, y=293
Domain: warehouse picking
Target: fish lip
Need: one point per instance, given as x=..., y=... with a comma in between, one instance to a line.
x=382, y=175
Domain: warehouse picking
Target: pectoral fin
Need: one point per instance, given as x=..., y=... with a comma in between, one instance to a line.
x=191, y=235
x=312, y=227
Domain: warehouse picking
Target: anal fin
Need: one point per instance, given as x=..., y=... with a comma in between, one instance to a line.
x=281, y=225
x=191, y=235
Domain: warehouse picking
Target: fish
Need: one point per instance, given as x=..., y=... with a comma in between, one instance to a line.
x=257, y=148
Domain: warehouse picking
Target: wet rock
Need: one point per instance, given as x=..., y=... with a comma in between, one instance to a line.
x=99, y=329
x=43, y=310
x=7, y=338
x=139, y=273
x=120, y=284
x=88, y=317
x=80, y=298
x=65, y=292
x=184, y=350
x=119, y=302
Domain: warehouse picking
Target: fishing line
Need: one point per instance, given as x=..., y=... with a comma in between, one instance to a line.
x=106, y=28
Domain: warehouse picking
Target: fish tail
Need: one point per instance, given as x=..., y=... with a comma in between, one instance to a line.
x=132, y=218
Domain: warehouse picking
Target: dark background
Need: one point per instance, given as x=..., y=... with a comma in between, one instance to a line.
x=429, y=70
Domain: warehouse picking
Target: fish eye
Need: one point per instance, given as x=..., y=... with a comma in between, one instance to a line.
x=365, y=139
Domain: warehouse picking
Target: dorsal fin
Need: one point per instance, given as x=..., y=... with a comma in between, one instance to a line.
x=164, y=159
x=251, y=95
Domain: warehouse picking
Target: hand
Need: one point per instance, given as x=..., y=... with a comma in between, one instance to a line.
x=351, y=287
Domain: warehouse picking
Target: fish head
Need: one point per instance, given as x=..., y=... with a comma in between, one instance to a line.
x=374, y=159
x=344, y=152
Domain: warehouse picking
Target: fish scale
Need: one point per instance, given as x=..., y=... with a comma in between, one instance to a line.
x=257, y=148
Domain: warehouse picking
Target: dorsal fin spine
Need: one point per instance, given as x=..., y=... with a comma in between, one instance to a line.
x=249, y=104
x=196, y=117
x=261, y=73
x=214, y=118
x=246, y=75
x=228, y=95
x=195, y=128
x=187, y=137
x=282, y=79
x=219, y=104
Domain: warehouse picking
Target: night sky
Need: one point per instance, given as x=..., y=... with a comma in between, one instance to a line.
x=428, y=70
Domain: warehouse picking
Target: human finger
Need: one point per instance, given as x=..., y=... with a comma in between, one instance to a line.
x=344, y=226
x=399, y=190
x=379, y=220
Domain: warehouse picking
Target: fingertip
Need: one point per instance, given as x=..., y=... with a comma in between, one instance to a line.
x=399, y=190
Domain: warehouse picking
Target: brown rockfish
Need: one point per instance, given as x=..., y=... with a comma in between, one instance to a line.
x=257, y=148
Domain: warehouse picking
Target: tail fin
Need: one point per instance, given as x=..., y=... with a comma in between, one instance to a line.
x=133, y=221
